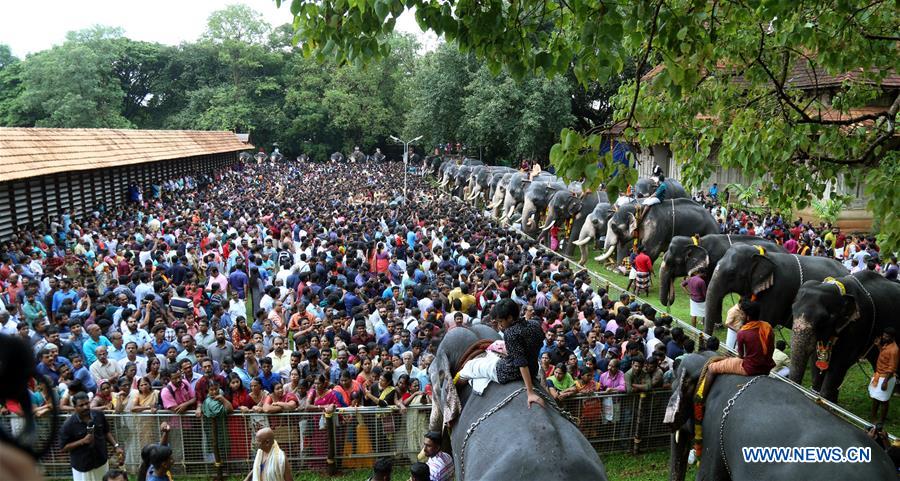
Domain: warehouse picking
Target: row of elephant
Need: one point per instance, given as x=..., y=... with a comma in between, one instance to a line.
x=538, y=202
x=836, y=324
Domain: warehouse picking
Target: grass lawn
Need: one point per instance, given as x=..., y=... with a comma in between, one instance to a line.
x=651, y=466
x=853, y=397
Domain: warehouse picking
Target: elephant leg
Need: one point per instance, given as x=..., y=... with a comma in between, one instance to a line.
x=833, y=378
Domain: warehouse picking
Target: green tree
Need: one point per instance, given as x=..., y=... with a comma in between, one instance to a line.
x=10, y=89
x=727, y=79
x=437, y=91
x=72, y=85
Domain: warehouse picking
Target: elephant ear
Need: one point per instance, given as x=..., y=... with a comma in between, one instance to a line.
x=632, y=223
x=849, y=311
x=674, y=404
x=762, y=274
x=695, y=257
x=441, y=377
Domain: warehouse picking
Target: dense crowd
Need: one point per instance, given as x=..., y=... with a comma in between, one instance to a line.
x=857, y=251
x=303, y=287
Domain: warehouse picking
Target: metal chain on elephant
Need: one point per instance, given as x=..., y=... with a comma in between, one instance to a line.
x=800, y=267
x=497, y=407
x=725, y=412
x=462, y=465
x=872, y=303
x=673, y=217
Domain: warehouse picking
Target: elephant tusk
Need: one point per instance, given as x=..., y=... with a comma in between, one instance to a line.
x=677, y=435
x=606, y=254
x=548, y=227
x=581, y=242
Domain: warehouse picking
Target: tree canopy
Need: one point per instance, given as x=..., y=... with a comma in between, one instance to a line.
x=726, y=82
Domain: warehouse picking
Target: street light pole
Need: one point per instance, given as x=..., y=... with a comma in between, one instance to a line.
x=405, y=159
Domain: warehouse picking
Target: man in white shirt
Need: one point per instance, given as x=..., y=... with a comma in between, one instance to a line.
x=281, y=357
x=407, y=368
x=103, y=368
x=131, y=349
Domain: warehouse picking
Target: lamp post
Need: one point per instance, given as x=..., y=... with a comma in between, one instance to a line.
x=405, y=159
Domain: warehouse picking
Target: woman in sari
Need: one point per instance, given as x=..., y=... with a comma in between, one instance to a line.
x=241, y=335
x=153, y=372
x=546, y=366
x=215, y=408
x=257, y=394
x=591, y=408
x=320, y=397
x=294, y=384
x=561, y=384
x=384, y=395
x=416, y=418
x=131, y=374
x=366, y=377
x=356, y=433
x=104, y=398
x=240, y=400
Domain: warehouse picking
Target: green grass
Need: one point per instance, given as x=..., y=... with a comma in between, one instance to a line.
x=651, y=466
x=854, y=395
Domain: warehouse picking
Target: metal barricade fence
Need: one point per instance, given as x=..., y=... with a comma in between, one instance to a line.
x=210, y=447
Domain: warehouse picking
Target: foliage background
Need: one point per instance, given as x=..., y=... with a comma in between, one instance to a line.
x=245, y=75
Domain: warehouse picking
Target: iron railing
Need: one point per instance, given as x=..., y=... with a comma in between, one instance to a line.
x=352, y=439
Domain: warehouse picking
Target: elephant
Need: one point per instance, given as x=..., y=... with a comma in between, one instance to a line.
x=448, y=175
x=481, y=180
x=657, y=226
x=536, y=199
x=433, y=165
x=594, y=224
x=572, y=206
x=460, y=181
x=515, y=192
x=760, y=411
x=684, y=256
x=772, y=277
x=499, y=194
x=843, y=316
x=646, y=187
x=486, y=454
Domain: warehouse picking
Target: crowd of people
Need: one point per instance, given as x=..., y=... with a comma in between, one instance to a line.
x=856, y=251
x=299, y=287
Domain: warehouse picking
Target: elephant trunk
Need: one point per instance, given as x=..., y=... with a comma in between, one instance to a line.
x=509, y=203
x=609, y=244
x=666, y=285
x=714, y=295
x=680, y=448
x=436, y=420
x=528, y=209
x=803, y=343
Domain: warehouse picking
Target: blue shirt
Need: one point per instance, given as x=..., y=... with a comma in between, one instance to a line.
x=160, y=348
x=90, y=346
x=411, y=239
x=268, y=383
x=60, y=296
x=86, y=379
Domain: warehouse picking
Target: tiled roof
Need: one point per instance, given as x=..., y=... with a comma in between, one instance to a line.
x=30, y=152
x=806, y=78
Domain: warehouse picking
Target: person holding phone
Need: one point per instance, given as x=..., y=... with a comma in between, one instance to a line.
x=84, y=436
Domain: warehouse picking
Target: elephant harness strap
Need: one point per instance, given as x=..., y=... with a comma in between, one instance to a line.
x=725, y=412
x=823, y=348
x=503, y=402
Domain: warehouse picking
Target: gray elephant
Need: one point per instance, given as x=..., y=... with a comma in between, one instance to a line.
x=687, y=254
x=460, y=182
x=514, y=200
x=535, y=201
x=448, y=176
x=498, y=194
x=760, y=411
x=656, y=226
x=482, y=178
x=546, y=445
x=772, y=277
x=837, y=320
x=593, y=228
x=647, y=186
x=573, y=206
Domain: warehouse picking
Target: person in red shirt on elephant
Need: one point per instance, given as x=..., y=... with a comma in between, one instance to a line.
x=755, y=347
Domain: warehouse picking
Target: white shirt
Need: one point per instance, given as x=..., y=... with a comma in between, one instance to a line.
x=109, y=371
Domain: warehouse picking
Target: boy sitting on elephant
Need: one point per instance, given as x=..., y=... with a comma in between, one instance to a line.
x=755, y=347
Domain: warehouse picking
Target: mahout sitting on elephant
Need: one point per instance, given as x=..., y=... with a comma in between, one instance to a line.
x=511, y=407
